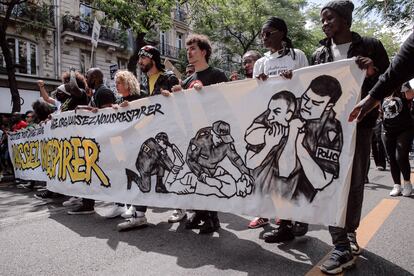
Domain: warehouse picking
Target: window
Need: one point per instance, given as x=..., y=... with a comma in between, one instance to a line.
x=162, y=43
x=179, y=41
x=24, y=56
x=122, y=63
x=85, y=61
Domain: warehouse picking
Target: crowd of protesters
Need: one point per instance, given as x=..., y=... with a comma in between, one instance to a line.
x=385, y=122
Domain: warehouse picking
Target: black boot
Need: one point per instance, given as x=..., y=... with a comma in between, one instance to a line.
x=211, y=224
x=194, y=221
x=159, y=186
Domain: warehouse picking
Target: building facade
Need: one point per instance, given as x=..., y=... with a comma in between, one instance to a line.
x=48, y=38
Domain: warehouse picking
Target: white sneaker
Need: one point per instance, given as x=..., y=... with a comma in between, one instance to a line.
x=132, y=222
x=129, y=212
x=407, y=189
x=114, y=211
x=73, y=201
x=396, y=191
x=177, y=216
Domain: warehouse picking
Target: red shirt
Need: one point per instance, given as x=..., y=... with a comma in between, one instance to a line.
x=19, y=125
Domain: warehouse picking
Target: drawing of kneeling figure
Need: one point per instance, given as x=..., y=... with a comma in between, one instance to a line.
x=156, y=156
x=206, y=150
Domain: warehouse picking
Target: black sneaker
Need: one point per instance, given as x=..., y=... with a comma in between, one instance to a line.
x=209, y=226
x=45, y=195
x=281, y=234
x=216, y=221
x=339, y=260
x=193, y=222
x=356, y=249
x=300, y=229
x=82, y=210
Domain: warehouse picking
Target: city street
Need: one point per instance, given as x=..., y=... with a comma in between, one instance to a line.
x=41, y=239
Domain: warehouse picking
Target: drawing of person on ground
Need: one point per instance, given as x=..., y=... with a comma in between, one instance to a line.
x=206, y=151
x=156, y=156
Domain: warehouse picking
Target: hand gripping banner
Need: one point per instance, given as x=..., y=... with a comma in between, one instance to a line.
x=275, y=148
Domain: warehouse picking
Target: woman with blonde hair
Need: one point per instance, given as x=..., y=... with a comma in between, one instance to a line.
x=127, y=86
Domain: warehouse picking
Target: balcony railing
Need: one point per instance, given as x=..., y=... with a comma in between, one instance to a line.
x=170, y=51
x=77, y=25
x=41, y=13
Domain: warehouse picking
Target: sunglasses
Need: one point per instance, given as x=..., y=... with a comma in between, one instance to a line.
x=267, y=34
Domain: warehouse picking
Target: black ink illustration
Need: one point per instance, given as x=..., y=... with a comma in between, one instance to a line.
x=155, y=156
x=210, y=146
x=297, y=142
x=206, y=177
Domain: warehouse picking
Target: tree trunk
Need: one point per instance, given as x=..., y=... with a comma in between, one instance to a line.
x=10, y=71
x=139, y=43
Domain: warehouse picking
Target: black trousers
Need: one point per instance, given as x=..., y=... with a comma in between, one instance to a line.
x=398, y=147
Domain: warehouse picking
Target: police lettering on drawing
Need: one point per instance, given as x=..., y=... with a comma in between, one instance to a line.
x=323, y=140
x=329, y=154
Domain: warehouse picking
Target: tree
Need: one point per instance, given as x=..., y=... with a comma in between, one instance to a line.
x=236, y=24
x=5, y=21
x=396, y=12
x=140, y=16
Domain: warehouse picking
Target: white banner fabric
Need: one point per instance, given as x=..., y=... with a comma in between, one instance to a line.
x=271, y=148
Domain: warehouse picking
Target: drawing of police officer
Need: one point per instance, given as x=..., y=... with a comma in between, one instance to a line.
x=156, y=155
x=206, y=150
x=315, y=138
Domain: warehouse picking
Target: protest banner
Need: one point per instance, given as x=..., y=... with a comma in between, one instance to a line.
x=275, y=148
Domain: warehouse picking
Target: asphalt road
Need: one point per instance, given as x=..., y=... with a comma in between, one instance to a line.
x=41, y=239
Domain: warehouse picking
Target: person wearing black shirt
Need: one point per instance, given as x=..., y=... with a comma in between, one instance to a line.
x=341, y=43
x=199, y=50
x=102, y=97
x=398, y=132
x=157, y=78
x=400, y=70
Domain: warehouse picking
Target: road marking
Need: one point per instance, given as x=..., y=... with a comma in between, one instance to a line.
x=366, y=230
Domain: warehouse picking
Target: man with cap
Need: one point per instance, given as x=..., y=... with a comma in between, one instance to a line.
x=158, y=78
x=102, y=97
x=205, y=152
x=341, y=43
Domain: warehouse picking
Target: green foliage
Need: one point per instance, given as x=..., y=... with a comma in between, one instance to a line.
x=140, y=16
x=36, y=16
x=395, y=12
x=237, y=23
x=374, y=29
